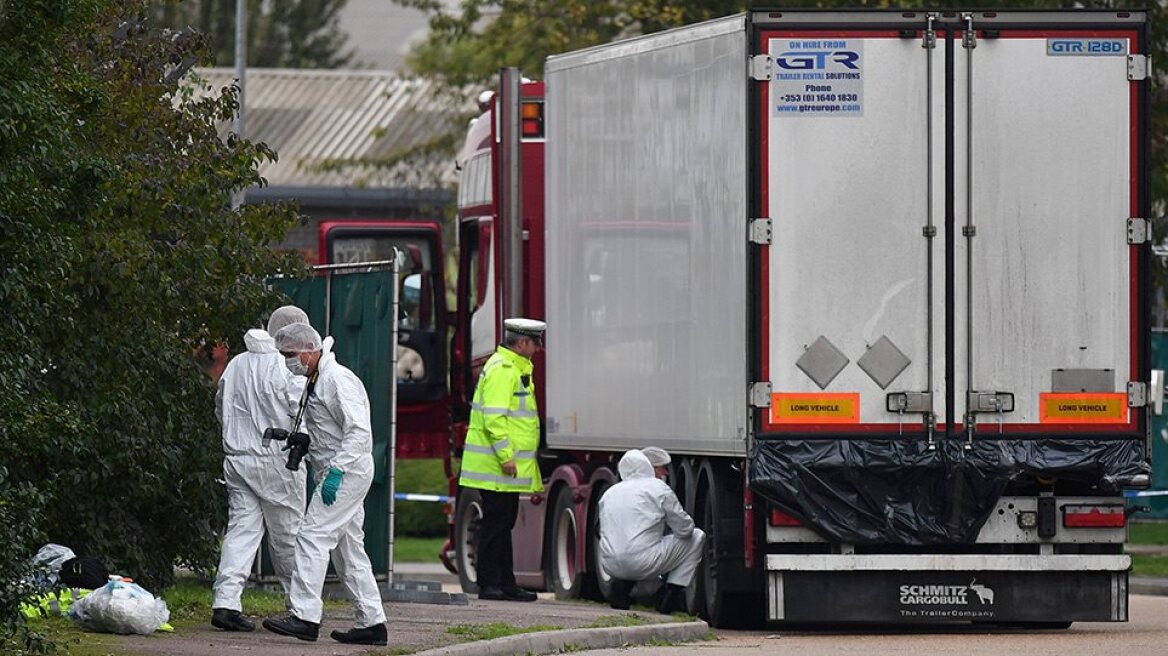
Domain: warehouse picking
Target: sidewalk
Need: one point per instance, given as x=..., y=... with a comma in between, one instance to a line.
x=422, y=629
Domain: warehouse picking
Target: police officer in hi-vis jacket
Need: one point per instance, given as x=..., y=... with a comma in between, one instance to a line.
x=499, y=456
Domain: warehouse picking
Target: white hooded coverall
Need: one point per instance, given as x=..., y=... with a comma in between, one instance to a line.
x=257, y=392
x=338, y=422
x=633, y=517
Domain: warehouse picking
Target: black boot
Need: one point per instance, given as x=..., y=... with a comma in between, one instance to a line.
x=230, y=620
x=618, y=596
x=293, y=626
x=493, y=592
x=516, y=593
x=672, y=599
x=370, y=635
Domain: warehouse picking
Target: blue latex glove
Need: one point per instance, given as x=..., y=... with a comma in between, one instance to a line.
x=330, y=486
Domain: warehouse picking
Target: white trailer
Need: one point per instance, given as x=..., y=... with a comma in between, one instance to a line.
x=879, y=281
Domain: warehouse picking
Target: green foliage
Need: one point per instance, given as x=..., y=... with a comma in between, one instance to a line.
x=123, y=264
x=420, y=518
x=19, y=506
x=470, y=46
x=284, y=34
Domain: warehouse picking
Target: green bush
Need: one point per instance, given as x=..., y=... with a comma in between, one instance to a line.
x=122, y=262
x=420, y=518
x=19, y=506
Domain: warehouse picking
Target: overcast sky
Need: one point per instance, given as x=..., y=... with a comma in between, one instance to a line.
x=381, y=32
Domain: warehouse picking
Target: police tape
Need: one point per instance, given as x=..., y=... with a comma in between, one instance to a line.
x=1145, y=493
x=439, y=498
x=407, y=496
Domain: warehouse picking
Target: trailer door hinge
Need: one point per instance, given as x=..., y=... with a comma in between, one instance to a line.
x=1138, y=231
x=1137, y=394
x=760, y=395
x=760, y=231
x=761, y=68
x=1139, y=67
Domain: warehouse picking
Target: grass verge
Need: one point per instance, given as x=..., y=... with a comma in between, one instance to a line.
x=1147, y=533
x=622, y=619
x=69, y=639
x=189, y=601
x=416, y=550
x=476, y=632
x=1154, y=566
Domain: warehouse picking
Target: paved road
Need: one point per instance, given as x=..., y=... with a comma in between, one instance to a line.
x=1145, y=634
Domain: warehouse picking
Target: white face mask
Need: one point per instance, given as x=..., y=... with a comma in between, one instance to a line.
x=296, y=366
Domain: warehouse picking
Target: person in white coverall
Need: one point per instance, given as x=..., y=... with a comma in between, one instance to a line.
x=633, y=545
x=256, y=392
x=341, y=454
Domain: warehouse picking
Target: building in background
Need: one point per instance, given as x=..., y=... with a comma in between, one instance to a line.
x=339, y=135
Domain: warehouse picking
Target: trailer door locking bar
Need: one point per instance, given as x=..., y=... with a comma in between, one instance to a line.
x=990, y=402
x=909, y=402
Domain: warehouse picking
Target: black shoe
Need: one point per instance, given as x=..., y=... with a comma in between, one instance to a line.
x=493, y=593
x=672, y=599
x=516, y=593
x=370, y=635
x=618, y=596
x=293, y=626
x=230, y=620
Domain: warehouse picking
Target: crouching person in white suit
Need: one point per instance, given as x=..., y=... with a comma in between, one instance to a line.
x=633, y=545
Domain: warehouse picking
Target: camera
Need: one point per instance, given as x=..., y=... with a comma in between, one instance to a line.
x=296, y=444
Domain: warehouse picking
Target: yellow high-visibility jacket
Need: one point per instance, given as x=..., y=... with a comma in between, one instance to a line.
x=504, y=425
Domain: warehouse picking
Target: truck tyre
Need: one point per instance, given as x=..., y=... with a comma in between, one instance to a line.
x=687, y=492
x=561, y=574
x=719, y=511
x=597, y=584
x=468, y=514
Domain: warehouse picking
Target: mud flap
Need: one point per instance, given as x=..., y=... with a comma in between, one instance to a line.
x=994, y=596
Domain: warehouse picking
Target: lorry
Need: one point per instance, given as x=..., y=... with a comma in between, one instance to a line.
x=878, y=280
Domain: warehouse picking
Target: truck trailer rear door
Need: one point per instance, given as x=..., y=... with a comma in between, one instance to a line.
x=957, y=225
x=850, y=125
x=1048, y=182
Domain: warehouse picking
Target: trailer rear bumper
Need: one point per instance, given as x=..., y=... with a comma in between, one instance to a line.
x=947, y=588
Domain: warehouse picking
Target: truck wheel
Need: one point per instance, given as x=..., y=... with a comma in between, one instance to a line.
x=720, y=510
x=695, y=595
x=468, y=514
x=597, y=584
x=561, y=574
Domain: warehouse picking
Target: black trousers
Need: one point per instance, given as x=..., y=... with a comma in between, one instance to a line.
x=495, y=561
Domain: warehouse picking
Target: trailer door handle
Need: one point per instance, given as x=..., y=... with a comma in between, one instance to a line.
x=1156, y=391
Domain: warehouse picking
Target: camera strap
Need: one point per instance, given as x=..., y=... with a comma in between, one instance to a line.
x=304, y=400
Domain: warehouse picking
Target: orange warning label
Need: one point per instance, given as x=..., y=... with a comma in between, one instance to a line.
x=791, y=408
x=1089, y=408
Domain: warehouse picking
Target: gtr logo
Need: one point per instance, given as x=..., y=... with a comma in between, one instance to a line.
x=799, y=60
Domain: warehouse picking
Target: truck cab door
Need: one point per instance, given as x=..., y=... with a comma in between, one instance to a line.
x=422, y=367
